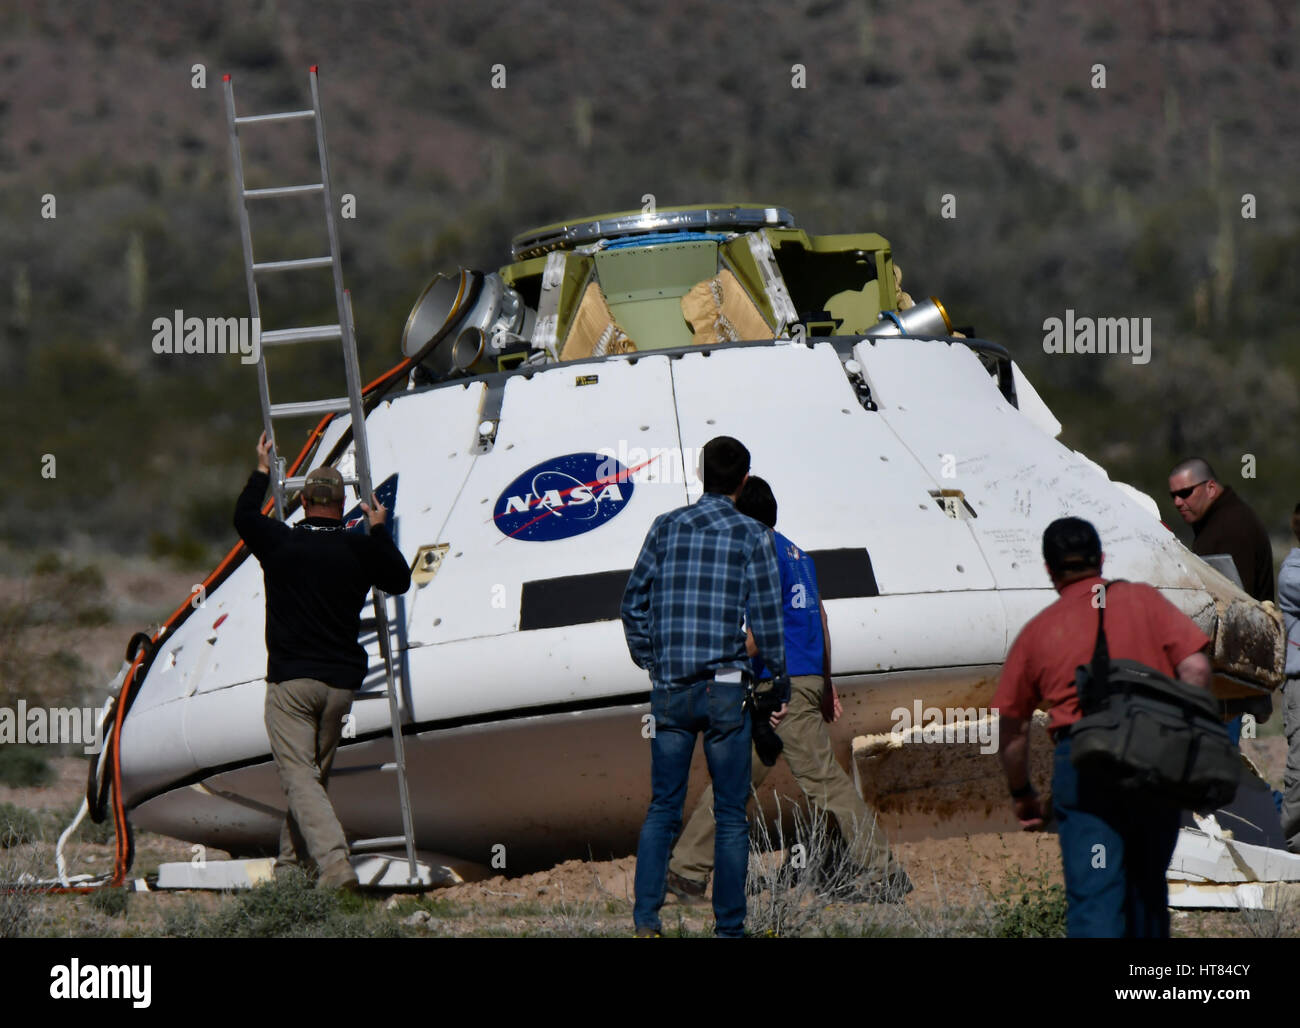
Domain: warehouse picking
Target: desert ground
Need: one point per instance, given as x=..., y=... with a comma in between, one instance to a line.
x=973, y=885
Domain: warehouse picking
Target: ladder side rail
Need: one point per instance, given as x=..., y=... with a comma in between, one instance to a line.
x=361, y=452
x=246, y=238
x=341, y=298
x=400, y=676
x=399, y=743
x=361, y=449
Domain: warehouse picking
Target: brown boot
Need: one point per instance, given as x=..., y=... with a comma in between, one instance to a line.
x=687, y=890
x=339, y=875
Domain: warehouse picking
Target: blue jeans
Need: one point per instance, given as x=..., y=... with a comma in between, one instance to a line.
x=717, y=709
x=1115, y=850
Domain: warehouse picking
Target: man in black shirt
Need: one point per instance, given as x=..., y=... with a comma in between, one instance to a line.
x=317, y=578
x=1222, y=522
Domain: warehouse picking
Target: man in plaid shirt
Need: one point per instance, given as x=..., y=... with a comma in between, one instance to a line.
x=701, y=569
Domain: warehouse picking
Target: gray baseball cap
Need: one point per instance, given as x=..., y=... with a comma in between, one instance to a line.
x=324, y=487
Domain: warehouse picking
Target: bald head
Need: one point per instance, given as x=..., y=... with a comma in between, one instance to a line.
x=1197, y=467
x=1194, y=487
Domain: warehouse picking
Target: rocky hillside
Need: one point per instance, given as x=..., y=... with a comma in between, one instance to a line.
x=1123, y=199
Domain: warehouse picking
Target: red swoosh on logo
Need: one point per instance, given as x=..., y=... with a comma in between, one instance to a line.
x=622, y=476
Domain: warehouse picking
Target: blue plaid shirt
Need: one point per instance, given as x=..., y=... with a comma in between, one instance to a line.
x=700, y=569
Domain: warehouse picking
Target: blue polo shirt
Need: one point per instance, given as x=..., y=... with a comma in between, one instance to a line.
x=800, y=610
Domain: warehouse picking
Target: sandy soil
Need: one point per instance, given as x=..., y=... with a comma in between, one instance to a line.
x=958, y=883
x=956, y=872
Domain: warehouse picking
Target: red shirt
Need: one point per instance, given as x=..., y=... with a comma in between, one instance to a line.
x=1140, y=625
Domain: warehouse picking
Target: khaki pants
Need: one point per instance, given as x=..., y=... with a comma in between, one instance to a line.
x=1291, y=776
x=304, y=720
x=808, y=750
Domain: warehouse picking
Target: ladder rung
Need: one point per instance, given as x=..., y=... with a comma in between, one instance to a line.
x=308, y=334
x=248, y=119
x=298, y=481
x=380, y=843
x=266, y=194
x=302, y=262
x=289, y=410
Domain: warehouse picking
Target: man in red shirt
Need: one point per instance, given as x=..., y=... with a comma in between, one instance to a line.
x=1115, y=848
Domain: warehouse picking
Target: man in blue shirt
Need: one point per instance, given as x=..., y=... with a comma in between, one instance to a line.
x=700, y=569
x=805, y=739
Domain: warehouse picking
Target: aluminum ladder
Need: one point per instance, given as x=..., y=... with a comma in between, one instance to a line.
x=343, y=333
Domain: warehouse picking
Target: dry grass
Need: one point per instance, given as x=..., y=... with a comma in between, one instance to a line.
x=1280, y=922
x=18, y=896
x=809, y=886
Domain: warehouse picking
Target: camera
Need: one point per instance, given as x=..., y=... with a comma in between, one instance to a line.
x=767, y=744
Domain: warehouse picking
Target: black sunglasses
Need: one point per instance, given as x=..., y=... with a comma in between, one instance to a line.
x=1182, y=494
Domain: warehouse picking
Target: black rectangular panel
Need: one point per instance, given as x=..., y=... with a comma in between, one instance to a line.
x=842, y=574
x=572, y=600
x=582, y=599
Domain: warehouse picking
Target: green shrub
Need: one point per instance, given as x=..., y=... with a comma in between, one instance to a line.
x=252, y=47
x=18, y=902
x=994, y=87
x=22, y=767
x=185, y=923
x=275, y=909
x=1030, y=908
x=111, y=901
x=990, y=46
x=17, y=826
x=48, y=564
x=286, y=908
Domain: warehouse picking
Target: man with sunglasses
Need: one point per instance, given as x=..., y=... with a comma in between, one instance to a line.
x=1223, y=523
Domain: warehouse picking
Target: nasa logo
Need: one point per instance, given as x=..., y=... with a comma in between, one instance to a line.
x=563, y=497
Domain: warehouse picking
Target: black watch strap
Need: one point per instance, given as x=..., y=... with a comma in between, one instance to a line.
x=1024, y=792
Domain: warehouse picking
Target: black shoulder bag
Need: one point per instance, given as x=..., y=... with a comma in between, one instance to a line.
x=1144, y=732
